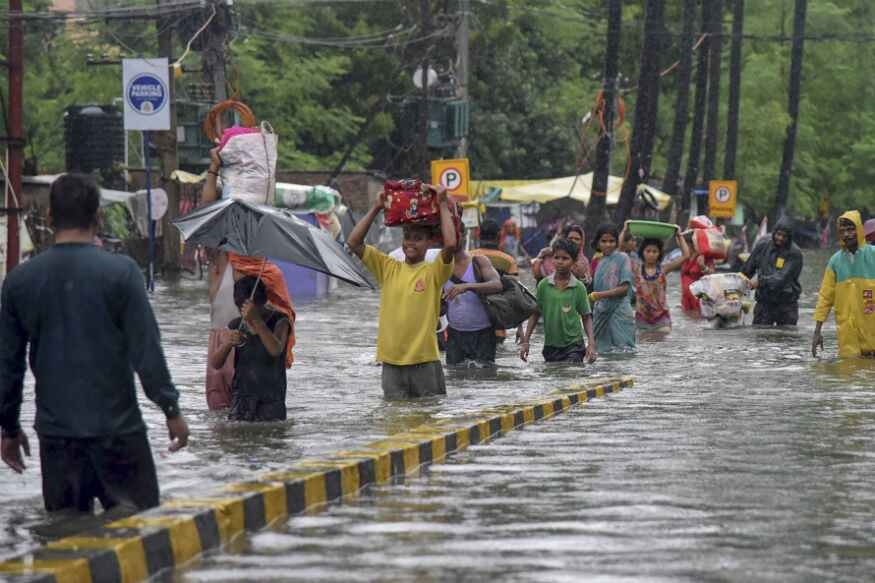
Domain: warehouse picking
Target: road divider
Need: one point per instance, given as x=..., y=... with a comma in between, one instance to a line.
x=180, y=530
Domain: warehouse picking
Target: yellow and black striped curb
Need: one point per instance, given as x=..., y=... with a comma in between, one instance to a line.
x=136, y=548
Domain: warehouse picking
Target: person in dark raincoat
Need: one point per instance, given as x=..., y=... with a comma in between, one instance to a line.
x=777, y=263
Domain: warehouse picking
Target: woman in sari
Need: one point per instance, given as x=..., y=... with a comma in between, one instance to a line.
x=614, y=318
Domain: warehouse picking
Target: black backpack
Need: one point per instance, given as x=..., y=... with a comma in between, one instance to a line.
x=510, y=307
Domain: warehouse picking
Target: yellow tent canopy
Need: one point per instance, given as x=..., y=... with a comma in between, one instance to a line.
x=541, y=191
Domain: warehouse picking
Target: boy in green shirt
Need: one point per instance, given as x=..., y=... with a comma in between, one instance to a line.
x=563, y=301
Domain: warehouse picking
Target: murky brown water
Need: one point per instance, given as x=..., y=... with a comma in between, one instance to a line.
x=735, y=457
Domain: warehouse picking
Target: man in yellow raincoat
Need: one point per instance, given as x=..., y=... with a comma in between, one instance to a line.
x=849, y=285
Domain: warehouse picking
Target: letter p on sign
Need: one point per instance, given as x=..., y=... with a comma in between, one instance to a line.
x=452, y=175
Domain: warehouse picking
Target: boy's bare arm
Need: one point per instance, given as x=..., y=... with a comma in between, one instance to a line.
x=356, y=240
x=530, y=328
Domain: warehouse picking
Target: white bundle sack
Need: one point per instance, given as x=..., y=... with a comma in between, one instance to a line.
x=249, y=166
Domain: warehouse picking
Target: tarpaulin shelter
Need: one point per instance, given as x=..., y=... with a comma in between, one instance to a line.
x=573, y=187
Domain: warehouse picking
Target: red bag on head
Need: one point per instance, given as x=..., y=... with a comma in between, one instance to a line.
x=410, y=202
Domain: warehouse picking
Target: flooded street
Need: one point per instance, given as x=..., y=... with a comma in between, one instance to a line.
x=735, y=457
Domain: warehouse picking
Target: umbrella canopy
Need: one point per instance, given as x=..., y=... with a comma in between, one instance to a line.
x=262, y=231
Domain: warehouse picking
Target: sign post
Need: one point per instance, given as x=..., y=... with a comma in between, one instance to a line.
x=722, y=198
x=454, y=175
x=146, y=87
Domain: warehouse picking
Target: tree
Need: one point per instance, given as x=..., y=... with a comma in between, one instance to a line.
x=682, y=100
x=646, y=109
x=695, y=156
x=595, y=211
x=792, y=108
x=734, y=91
x=715, y=54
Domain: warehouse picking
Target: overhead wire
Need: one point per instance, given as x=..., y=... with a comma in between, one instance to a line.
x=203, y=27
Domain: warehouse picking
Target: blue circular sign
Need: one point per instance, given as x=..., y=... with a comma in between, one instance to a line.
x=146, y=94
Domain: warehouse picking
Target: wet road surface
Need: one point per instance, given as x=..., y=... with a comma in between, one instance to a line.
x=736, y=457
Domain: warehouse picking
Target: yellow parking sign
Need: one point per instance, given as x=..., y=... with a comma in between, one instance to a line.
x=452, y=175
x=722, y=198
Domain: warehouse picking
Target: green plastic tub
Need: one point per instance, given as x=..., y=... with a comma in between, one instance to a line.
x=652, y=229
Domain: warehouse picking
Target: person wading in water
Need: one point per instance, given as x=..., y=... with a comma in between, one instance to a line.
x=86, y=317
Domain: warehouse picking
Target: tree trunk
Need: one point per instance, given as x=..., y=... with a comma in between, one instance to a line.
x=646, y=109
x=695, y=156
x=734, y=91
x=166, y=145
x=595, y=212
x=715, y=55
x=793, y=108
x=682, y=101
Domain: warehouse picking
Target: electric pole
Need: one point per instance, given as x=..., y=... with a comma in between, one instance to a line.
x=646, y=109
x=715, y=54
x=792, y=108
x=15, y=139
x=595, y=211
x=734, y=91
x=682, y=101
x=213, y=54
x=462, y=73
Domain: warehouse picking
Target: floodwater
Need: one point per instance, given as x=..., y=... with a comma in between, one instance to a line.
x=735, y=457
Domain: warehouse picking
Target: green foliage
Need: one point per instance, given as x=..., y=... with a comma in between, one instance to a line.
x=535, y=71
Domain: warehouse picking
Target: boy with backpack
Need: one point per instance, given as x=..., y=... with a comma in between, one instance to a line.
x=470, y=334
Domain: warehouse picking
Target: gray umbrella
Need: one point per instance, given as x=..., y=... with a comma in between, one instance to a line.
x=256, y=230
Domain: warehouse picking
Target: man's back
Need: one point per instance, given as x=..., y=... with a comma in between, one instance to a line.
x=89, y=323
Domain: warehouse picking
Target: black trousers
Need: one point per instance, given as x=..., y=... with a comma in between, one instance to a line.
x=115, y=470
x=779, y=314
x=479, y=346
x=572, y=353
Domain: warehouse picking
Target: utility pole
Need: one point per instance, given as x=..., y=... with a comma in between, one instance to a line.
x=463, y=73
x=15, y=143
x=424, y=157
x=646, y=109
x=682, y=101
x=595, y=211
x=734, y=91
x=213, y=54
x=165, y=144
x=701, y=102
x=792, y=108
x=715, y=53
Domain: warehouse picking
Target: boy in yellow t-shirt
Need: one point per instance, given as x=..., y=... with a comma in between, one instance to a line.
x=410, y=294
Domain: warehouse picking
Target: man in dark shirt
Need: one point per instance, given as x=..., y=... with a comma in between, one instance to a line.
x=86, y=317
x=777, y=263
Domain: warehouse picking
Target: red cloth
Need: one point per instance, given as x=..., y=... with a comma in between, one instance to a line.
x=692, y=272
x=277, y=291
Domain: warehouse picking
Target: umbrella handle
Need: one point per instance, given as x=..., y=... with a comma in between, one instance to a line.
x=255, y=287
